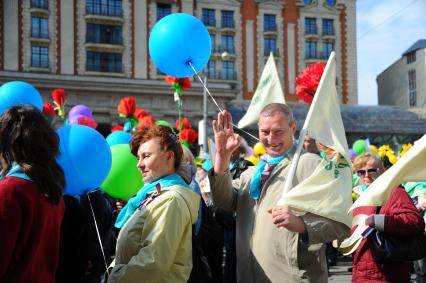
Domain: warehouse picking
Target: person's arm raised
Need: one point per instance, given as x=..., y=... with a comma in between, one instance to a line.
x=226, y=141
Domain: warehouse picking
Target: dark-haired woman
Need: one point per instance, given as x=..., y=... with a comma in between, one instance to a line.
x=31, y=205
x=155, y=242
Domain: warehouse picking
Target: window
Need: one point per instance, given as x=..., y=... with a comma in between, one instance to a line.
x=269, y=22
x=41, y=4
x=163, y=10
x=104, y=62
x=412, y=94
x=310, y=26
x=104, y=34
x=111, y=8
x=310, y=50
x=227, y=44
x=228, y=70
x=411, y=57
x=331, y=3
x=307, y=2
x=208, y=17
x=211, y=69
x=327, y=47
x=39, y=57
x=39, y=27
x=213, y=41
x=327, y=27
x=270, y=46
x=227, y=19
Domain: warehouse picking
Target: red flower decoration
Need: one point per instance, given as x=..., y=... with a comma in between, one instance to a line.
x=193, y=136
x=127, y=107
x=48, y=111
x=184, y=83
x=146, y=122
x=117, y=128
x=140, y=113
x=58, y=96
x=86, y=121
x=307, y=83
x=189, y=135
x=185, y=122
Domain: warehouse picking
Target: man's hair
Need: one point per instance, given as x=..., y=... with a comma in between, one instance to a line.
x=27, y=139
x=271, y=109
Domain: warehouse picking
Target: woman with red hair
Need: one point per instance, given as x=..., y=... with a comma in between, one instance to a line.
x=155, y=242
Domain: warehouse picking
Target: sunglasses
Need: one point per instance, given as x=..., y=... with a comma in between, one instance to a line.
x=369, y=171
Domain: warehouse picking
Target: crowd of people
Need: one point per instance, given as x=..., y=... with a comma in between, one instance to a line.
x=194, y=220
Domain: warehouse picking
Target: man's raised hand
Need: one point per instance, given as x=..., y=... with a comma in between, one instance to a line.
x=226, y=141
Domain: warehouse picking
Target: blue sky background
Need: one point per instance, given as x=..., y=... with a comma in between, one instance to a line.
x=385, y=29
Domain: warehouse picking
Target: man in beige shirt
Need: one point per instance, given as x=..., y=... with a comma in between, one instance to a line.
x=274, y=243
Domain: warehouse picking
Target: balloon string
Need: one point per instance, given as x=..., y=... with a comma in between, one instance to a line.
x=180, y=112
x=97, y=232
x=217, y=105
x=205, y=87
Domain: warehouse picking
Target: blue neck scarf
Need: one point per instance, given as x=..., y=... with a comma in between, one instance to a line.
x=255, y=184
x=16, y=171
x=133, y=203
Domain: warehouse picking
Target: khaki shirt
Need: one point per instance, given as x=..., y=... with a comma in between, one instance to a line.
x=155, y=245
x=266, y=253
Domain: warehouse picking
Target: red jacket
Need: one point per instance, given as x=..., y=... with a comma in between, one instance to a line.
x=401, y=218
x=29, y=233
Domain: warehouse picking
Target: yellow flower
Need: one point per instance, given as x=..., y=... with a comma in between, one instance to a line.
x=405, y=148
x=373, y=148
x=384, y=150
x=259, y=149
x=252, y=159
x=392, y=158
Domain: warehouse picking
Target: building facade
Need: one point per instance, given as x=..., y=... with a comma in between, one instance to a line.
x=403, y=83
x=97, y=50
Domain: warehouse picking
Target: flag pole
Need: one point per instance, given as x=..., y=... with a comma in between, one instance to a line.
x=293, y=165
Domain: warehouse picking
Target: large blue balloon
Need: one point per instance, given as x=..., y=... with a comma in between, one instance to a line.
x=176, y=40
x=85, y=157
x=19, y=93
x=118, y=137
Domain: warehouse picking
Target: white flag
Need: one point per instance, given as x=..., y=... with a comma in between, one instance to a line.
x=411, y=167
x=268, y=91
x=328, y=191
x=324, y=121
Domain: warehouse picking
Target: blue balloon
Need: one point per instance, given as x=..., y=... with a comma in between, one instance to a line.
x=118, y=137
x=85, y=157
x=176, y=40
x=19, y=93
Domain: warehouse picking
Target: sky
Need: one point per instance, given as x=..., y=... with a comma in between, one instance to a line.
x=385, y=29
